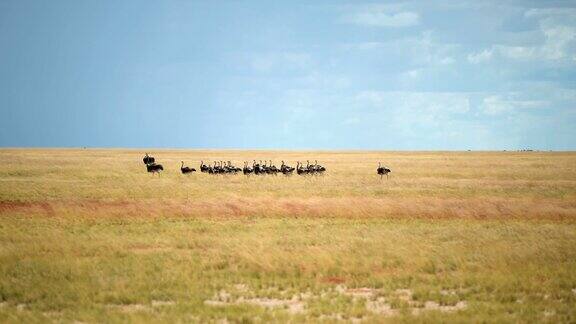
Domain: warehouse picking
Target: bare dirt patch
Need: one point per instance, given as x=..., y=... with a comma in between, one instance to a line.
x=294, y=305
x=363, y=292
x=382, y=306
x=160, y=303
x=130, y=308
x=377, y=301
x=431, y=305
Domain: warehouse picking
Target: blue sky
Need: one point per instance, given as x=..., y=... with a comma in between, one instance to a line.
x=292, y=74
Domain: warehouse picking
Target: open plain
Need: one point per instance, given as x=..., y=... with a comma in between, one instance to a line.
x=90, y=236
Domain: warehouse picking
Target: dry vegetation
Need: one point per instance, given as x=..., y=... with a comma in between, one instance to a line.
x=88, y=235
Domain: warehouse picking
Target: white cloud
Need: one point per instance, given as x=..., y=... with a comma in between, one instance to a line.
x=363, y=46
x=559, y=40
x=421, y=50
x=446, y=60
x=384, y=16
x=554, y=40
x=544, y=12
x=518, y=52
x=401, y=19
x=480, y=57
x=504, y=104
x=559, y=43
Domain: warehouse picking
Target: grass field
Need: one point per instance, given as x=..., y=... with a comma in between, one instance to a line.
x=89, y=236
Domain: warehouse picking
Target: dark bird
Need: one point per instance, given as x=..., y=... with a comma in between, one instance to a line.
x=217, y=167
x=256, y=167
x=148, y=159
x=285, y=169
x=154, y=168
x=233, y=168
x=272, y=168
x=300, y=169
x=318, y=167
x=264, y=167
x=247, y=170
x=383, y=170
x=186, y=169
x=204, y=167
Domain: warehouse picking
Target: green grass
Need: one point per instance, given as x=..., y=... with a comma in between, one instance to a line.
x=80, y=243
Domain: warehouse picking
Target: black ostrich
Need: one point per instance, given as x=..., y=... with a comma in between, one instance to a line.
x=217, y=168
x=272, y=168
x=247, y=170
x=256, y=167
x=186, y=169
x=383, y=170
x=148, y=159
x=154, y=168
x=285, y=169
x=318, y=167
x=233, y=168
x=300, y=169
x=204, y=167
x=264, y=167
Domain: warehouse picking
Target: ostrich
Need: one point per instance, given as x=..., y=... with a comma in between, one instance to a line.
x=264, y=168
x=186, y=169
x=233, y=168
x=217, y=168
x=308, y=166
x=300, y=169
x=383, y=170
x=285, y=169
x=148, y=159
x=154, y=168
x=247, y=170
x=203, y=167
x=318, y=167
x=225, y=167
x=256, y=167
x=272, y=168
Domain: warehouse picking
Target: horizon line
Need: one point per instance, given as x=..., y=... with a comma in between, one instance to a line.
x=269, y=149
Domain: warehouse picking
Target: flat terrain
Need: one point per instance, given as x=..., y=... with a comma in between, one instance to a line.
x=89, y=236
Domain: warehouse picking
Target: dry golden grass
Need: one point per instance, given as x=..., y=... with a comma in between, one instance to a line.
x=88, y=235
x=422, y=184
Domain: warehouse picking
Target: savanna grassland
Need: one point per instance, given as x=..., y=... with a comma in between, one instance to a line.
x=89, y=236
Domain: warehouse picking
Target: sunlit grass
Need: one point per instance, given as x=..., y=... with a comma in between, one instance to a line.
x=87, y=235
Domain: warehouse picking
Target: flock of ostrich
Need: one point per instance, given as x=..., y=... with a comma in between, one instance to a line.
x=226, y=167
